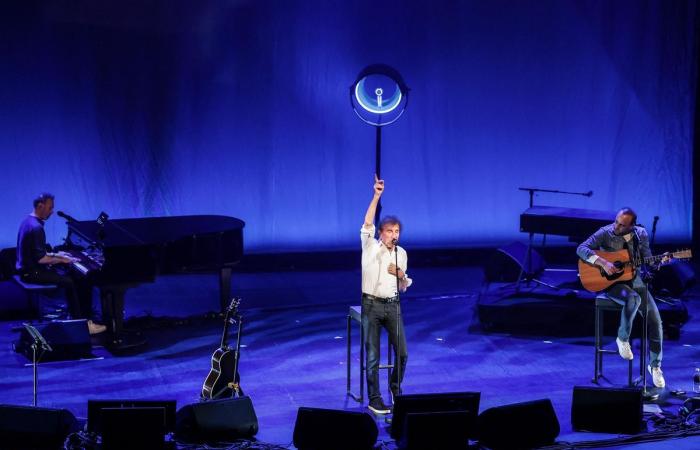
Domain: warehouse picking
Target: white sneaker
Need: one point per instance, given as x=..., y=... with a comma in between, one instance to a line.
x=657, y=376
x=624, y=348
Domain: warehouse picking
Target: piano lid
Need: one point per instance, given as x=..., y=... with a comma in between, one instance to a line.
x=154, y=230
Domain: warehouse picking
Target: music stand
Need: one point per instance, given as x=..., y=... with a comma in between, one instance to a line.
x=38, y=344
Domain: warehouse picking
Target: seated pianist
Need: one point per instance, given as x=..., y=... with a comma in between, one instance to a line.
x=35, y=265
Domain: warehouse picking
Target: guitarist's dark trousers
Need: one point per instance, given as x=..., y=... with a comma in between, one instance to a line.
x=632, y=296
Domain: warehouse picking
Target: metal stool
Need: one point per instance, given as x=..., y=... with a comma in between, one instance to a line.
x=355, y=314
x=604, y=303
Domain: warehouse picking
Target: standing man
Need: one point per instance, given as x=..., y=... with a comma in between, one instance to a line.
x=34, y=263
x=382, y=279
x=625, y=234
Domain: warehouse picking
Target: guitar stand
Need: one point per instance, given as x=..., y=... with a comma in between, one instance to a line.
x=235, y=385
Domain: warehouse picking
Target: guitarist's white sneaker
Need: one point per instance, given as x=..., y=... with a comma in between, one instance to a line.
x=624, y=348
x=657, y=376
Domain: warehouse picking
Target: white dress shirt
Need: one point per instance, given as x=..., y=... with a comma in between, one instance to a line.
x=376, y=279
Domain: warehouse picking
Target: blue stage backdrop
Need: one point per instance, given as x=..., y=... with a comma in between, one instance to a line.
x=242, y=108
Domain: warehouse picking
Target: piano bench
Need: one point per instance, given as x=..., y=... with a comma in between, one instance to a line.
x=603, y=304
x=34, y=292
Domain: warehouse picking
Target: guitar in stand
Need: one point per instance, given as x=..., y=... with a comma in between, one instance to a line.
x=594, y=278
x=223, y=380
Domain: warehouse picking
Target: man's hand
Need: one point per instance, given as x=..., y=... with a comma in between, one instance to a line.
x=378, y=186
x=393, y=270
x=609, y=267
x=372, y=208
x=666, y=258
x=65, y=257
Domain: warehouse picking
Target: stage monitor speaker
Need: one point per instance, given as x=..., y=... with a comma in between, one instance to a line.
x=23, y=427
x=674, y=278
x=69, y=339
x=607, y=410
x=217, y=420
x=443, y=430
x=321, y=429
x=96, y=412
x=507, y=262
x=432, y=403
x=133, y=428
x=520, y=425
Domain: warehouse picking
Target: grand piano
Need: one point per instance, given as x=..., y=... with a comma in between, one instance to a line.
x=116, y=255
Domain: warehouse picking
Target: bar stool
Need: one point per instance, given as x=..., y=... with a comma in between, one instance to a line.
x=355, y=315
x=604, y=303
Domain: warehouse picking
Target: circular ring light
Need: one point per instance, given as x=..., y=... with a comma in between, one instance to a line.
x=379, y=95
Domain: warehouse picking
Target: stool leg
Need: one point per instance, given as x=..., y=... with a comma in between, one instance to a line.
x=643, y=348
x=601, y=327
x=597, y=360
x=362, y=361
x=349, y=360
x=34, y=306
x=629, y=374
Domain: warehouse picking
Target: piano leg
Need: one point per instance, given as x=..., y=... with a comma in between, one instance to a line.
x=224, y=287
x=112, y=299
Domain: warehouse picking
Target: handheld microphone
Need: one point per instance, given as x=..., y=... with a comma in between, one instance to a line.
x=66, y=216
x=394, y=241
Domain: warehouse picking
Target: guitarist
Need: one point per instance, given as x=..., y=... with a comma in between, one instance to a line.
x=624, y=233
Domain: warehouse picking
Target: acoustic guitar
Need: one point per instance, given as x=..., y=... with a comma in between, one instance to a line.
x=594, y=278
x=223, y=379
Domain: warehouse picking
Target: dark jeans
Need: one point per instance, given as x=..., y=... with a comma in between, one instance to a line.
x=78, y=292
x=632, y=298
x=375, y=316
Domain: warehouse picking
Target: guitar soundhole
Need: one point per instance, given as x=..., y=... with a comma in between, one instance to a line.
x=614, y=276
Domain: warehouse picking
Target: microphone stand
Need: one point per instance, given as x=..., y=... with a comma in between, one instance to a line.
x=398, y=360
x=646, y=395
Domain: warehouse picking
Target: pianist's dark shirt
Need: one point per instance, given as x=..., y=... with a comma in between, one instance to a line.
x=31, y=244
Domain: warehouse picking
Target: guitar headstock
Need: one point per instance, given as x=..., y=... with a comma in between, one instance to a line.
x=682, y=254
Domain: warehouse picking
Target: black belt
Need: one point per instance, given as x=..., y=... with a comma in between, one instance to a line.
x=381, y=299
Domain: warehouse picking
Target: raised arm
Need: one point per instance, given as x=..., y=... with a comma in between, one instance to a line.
x=372, y=208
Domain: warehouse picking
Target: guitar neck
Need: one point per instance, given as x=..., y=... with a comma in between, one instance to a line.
x=681, y=254
x=231, y=311
x=224, y=335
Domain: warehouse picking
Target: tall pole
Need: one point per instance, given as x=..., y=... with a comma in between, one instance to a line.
x=378, y=170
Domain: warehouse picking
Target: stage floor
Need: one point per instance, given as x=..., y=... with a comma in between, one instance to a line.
x=295, y=351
